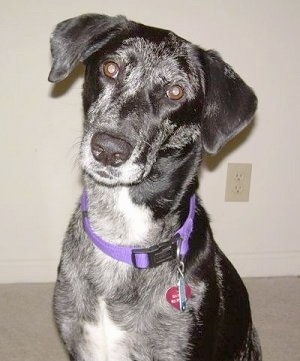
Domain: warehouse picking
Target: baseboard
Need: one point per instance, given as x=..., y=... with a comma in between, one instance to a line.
x=23, y=271
x=248, y=265
x=266, y=264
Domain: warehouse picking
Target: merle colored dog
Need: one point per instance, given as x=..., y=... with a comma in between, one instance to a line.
x=141, y=277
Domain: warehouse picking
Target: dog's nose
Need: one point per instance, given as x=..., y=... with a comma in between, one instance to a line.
x=110, y=150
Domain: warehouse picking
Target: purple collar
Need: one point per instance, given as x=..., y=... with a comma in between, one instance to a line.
x=143, y=257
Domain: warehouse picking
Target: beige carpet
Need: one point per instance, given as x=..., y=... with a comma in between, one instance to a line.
x=27, y=331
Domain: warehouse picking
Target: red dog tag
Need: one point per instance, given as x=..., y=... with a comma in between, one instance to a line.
x=172, y=295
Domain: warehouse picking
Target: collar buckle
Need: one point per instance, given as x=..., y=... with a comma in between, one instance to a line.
x=156, y=254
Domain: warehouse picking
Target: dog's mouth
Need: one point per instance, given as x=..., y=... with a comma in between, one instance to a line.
x=128, y=174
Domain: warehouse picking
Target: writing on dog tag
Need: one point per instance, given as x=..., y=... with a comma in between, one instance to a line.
x=182, y=293
x=175, y=298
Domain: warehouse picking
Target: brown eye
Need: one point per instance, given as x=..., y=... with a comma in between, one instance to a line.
x=111, y=69
x=175, y=92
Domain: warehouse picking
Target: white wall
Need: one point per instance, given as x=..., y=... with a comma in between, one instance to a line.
x=41, y=126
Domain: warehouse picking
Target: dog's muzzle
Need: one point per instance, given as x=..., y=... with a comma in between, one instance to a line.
x=110, y=150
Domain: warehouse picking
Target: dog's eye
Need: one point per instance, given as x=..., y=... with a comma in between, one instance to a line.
x=111, y=69
x=175, y=92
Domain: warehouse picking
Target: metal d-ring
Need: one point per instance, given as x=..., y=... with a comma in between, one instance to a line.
x=178, y=255
x=180, y=263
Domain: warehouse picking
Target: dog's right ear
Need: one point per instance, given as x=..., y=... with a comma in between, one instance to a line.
x=75, y=39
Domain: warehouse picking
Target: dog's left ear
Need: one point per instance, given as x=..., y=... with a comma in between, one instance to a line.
x=75, y=39
x=229, y=103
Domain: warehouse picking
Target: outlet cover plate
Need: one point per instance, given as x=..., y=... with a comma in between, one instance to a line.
x=238, y=182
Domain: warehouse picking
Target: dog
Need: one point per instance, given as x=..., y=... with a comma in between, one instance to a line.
x=141, y=277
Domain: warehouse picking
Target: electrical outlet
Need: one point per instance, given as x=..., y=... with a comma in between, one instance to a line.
x=238, y=182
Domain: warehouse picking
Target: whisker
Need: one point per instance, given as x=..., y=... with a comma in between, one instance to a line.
x=73, y=153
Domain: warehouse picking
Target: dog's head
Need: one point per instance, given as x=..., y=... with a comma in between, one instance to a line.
x=148, y=94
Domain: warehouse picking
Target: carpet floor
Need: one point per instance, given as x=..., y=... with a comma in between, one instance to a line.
x=28, y=333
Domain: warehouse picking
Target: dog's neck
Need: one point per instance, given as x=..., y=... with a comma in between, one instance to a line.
x=119, y=220
x=116, y=218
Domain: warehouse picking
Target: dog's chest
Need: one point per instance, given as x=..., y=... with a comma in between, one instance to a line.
x=104, y=340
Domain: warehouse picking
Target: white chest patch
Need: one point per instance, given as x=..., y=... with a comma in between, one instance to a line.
x=137, y=218
x=105, y=341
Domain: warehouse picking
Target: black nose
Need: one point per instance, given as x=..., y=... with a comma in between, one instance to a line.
x=110, y=150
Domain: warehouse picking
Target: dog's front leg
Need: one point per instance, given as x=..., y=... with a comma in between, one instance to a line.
x=84, y=324
x=69, y=316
